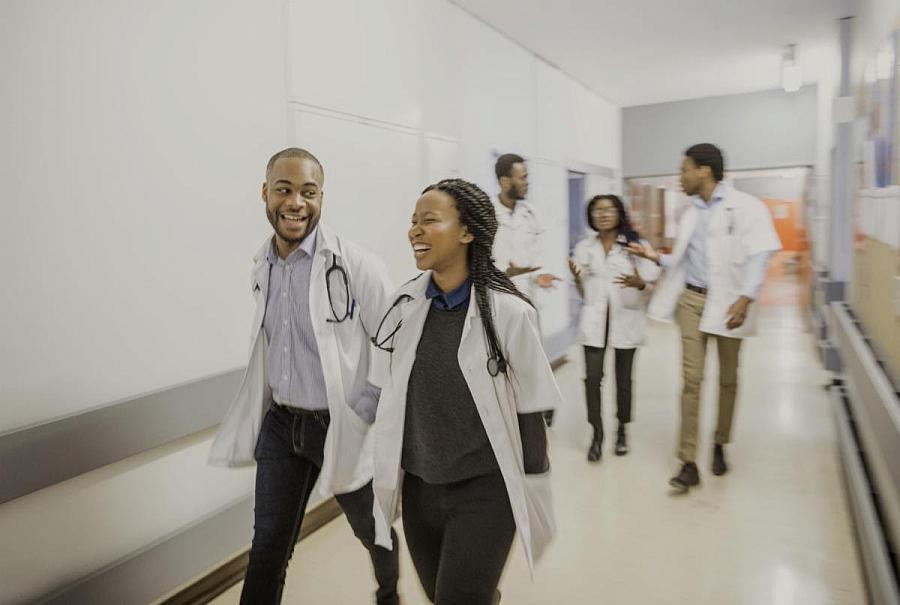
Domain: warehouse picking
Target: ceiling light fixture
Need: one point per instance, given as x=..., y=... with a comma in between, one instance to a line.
x=791, y=76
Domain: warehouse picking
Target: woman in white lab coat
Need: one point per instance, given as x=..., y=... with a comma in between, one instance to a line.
x=459, y=435
x=614, y=286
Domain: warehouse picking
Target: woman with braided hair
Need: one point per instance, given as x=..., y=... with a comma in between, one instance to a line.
x=459, y=436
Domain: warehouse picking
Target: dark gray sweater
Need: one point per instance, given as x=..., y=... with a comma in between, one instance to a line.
x=444, y=440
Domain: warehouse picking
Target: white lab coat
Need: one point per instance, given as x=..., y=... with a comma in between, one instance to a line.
x=345, y=351
x=740, y=226
x=530, y=387
x=628, y=322
x=520, y=241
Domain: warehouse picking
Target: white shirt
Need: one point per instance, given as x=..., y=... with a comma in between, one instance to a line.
x=520, y=241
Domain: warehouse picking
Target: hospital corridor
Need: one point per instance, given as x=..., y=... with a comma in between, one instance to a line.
x=450, y=302
x=775, y=530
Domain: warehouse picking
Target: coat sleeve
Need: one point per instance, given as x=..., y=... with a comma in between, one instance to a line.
x=374, y=293
x=758, y=233
x=534, y=386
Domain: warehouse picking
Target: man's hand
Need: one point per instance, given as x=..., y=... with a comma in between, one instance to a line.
x=737, y=313
x=513, y=270
x=644, y=251
x=545, y=280
x=630, y=281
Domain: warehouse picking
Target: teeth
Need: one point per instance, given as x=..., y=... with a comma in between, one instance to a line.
x=291, y=217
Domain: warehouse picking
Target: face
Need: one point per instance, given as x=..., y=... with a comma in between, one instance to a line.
x=605, y=215
x=516, y=184
x=439, y=241
x=692, y=176
x=293, y=197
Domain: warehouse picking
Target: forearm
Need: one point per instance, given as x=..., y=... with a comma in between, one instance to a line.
x=534, y=443
x=754, y=275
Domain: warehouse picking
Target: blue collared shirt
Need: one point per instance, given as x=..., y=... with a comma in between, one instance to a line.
x=293, y=365
x=451, y=300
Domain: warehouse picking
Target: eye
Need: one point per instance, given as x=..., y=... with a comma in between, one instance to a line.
x=309, y=194
x=283, y=190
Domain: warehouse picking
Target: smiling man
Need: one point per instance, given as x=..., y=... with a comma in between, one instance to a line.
x=305, y=404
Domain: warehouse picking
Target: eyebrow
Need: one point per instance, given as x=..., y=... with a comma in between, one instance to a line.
x=287, y=182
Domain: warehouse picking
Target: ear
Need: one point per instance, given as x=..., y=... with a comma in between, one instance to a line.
x=466, y=237
x=265, y=193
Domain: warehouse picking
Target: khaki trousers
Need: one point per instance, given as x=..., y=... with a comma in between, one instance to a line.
x=693, y=360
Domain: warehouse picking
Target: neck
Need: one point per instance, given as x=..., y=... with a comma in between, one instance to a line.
x=450, y=279
x=608, y=236
x=507, y=201
x=707, y=190
x=284, y=247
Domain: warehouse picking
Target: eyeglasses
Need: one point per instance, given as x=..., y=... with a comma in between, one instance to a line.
x=601, y=211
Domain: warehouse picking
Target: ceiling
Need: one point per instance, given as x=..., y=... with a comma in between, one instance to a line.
x=639, y=52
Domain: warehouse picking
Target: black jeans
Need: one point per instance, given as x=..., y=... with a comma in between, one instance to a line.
x=459, y=536
x=289, y=457
x=593, y=361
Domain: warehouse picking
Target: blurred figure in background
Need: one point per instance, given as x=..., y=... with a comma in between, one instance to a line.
x=712, y=278
x=614, y=286
x=519, y=245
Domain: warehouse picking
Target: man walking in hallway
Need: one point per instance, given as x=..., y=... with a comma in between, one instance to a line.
x=712, y=278
x=519, y=243
x=304, y=406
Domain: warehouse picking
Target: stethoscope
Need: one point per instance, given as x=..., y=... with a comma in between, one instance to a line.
x=495, y=363
x=349, y=303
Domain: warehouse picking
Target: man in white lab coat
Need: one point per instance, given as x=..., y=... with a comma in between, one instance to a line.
x=304, y=407
x=519, y=243
x=711, y=282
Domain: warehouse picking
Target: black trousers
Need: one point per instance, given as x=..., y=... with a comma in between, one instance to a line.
x=593, y=361
x=459, y=536
x=289, y=457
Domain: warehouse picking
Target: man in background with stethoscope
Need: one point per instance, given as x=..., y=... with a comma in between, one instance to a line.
x=712, y=278
x=305, y=404
x=519, y=243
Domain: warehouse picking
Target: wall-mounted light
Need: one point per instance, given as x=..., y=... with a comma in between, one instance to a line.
x=791, y=76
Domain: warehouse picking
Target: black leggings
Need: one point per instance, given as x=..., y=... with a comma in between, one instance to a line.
x=459, y=536
x=593, y=361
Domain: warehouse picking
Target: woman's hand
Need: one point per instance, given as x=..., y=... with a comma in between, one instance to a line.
x=630, y=281
x=575, y=270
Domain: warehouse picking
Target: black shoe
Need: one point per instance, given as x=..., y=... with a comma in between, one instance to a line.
x=621, y=441
x=548, y=418
x=687, y=478
x=596, y=449
x=719, y=466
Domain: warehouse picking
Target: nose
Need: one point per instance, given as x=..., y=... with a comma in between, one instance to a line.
x=414, y=231
x=296, y=201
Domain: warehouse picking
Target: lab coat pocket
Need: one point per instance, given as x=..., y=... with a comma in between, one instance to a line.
x=632, y=298
x=541, y=515
x=592, y=324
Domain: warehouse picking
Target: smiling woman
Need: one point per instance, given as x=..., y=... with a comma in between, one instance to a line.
x=456, y=446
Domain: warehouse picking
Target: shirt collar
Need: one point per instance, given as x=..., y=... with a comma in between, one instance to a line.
x=451, y=300
x=717, y=196
x=306, y=248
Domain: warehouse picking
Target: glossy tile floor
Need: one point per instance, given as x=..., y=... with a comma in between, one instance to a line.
x=774, y=531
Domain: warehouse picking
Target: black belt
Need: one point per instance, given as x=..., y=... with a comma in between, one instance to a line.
x=697, y=289
x=323, y=414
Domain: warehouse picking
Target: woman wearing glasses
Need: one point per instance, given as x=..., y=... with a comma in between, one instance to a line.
x=613, y=284
x=459, y=436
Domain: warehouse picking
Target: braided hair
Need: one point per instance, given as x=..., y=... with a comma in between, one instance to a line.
x=476, y=212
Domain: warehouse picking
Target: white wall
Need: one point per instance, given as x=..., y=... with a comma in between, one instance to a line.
x=755, y=130
x=135, y=139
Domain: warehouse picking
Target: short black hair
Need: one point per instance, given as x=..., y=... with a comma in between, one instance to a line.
x=707, y=154
x=505, y=162
x=295, y=152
